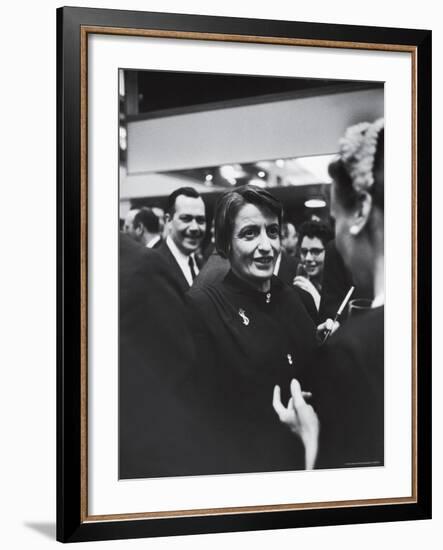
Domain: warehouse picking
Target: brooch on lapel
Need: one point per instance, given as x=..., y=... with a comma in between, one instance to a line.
x=245, y=319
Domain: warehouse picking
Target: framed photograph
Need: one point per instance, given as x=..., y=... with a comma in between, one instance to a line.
x=244, y=330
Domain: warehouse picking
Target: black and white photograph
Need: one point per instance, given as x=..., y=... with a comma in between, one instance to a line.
x=251, y=273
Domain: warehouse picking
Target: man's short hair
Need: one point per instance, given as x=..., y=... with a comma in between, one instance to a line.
x=146, y=217
x=186, y=191
x=312, y=229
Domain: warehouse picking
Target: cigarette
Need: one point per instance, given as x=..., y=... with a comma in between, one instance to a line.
x=345, y=301
x=339, y=312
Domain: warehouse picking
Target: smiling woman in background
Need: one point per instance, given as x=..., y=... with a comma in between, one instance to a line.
x=251, y=332
x=313, y=238
x=347, y=377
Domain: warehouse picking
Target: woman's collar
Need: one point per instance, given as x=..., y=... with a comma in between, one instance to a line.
x=241, y=285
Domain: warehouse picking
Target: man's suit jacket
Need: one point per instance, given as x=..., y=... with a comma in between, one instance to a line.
x=158, y=243
x=175, y=270
x=154, y=431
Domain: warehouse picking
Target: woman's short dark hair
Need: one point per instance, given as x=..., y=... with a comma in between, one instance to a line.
x=347, y=195
x=229, y=206
x=315, y=229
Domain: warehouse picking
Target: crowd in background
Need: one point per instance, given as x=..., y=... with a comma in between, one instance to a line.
x=300, y=263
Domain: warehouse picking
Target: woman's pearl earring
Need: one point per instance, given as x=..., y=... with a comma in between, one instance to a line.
x=353, y=230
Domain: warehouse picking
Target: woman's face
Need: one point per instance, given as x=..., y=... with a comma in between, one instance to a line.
x=255, y=246
x=312, y=253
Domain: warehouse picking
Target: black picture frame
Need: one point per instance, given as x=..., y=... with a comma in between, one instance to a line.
x=73, y=24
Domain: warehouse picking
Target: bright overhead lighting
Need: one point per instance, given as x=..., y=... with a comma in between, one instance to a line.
x=261, y=174
x=315, y=203
x=208, y=177
x=231, y=172
x=317, y=166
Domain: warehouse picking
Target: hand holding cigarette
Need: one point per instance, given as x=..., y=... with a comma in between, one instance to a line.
x=334, y=325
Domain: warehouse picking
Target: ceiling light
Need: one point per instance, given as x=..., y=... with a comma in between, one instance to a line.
x=232, y=171
x=315, y=203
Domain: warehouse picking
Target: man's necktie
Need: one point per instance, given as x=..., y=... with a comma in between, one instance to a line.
x=192, y=268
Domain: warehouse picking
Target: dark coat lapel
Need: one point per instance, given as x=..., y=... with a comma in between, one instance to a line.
x=176, y=271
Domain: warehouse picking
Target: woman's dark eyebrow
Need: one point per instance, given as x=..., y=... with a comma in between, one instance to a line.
x=255, y=226
x=249, y=226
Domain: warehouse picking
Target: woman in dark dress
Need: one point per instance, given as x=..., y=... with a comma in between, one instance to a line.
x=251, y=332
x=347, y=375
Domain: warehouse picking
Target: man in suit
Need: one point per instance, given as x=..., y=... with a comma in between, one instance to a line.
x=147, y=228
x=186, y=224
x=142, y=225
x=154, y=429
